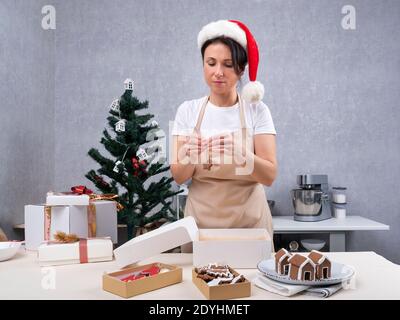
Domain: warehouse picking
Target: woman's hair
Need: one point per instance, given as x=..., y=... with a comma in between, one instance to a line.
x=239, y=55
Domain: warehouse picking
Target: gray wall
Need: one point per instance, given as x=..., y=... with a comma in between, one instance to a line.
x=27, y=92
x=333, y=93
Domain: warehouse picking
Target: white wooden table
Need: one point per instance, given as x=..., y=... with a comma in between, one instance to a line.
x=336, y=228
x=23, y=278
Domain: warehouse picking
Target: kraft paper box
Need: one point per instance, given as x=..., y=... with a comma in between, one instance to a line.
x=112, y=281
x=66, y=199
x=238, y=248
x=69, y=219
x=222, y=291
x=69, y=253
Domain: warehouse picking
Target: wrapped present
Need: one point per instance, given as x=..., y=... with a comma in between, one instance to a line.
x=99, y=219
x=81, y=251
x=78, y=196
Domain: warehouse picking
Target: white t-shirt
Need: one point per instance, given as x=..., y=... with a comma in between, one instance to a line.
x=219, y=120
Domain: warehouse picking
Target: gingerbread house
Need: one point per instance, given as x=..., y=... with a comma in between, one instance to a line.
x=301, y=268
x=282, y=261
x=322, y=263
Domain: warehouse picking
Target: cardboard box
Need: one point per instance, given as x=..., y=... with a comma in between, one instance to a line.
x=223, y=291
x=68, y=253
x=66, y=199
x=69, y=219
x=238, y=248
x=112, y=281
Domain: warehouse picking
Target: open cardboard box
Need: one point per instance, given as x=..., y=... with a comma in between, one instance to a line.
x=112, y=281
x=238, y=248
x=223, y=291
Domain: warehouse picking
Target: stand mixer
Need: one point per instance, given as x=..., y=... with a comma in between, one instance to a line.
x=311, y=201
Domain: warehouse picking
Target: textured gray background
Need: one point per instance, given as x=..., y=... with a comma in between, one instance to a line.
x=333, y=93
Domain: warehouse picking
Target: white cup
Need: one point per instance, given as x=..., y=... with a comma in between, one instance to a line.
x=339, y=211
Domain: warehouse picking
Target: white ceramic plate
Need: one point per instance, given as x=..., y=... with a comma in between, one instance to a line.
x=339, y=273
x=8, y=249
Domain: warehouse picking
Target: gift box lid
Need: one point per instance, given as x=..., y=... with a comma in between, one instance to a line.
x=156, y=241
x=66, y=199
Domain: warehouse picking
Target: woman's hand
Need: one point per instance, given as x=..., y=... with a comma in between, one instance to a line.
x=193, y=150
x=228, y=148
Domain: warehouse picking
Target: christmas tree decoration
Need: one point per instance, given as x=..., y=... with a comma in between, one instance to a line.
x=128, y=84
x=143, y=189
x=142, y=154
x=120, y=126
x=116, y=167
x=115, y=105
x=139, y=167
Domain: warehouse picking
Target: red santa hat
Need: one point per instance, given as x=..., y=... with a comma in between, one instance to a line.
x=238, y=31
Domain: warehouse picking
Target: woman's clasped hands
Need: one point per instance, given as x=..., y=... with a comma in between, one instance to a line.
x=225, y=148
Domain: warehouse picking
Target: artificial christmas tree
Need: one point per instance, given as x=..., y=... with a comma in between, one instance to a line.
x=138, y=158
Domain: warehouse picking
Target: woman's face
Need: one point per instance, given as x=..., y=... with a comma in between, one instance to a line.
x=218, y=69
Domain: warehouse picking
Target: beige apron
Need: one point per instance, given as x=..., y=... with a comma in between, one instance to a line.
x=220, y=198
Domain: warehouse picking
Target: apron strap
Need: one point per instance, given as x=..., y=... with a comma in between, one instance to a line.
x=201, y=115
x=242, y=123
x=242, y=117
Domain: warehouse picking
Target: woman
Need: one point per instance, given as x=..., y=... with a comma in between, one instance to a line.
x=225, y=142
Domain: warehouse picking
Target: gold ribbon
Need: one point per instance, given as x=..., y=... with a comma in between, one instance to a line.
x=91, y=216
x=47, y=222
x=91, y=210
x=107, y=197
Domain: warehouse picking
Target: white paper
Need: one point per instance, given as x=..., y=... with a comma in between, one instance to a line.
x=288, y=290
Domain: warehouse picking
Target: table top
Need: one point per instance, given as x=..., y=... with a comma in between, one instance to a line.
x=22, y=278
x=350, y=223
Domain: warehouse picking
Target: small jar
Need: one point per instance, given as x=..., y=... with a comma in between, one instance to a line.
x=339, y=195
x=339, y=211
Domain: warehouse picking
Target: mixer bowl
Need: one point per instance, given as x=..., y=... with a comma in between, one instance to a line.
x=306, y=202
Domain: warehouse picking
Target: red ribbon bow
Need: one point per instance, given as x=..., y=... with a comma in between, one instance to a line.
x=81, y=190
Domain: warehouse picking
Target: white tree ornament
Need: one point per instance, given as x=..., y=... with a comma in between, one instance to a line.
x=120, y=126
x=115, y=105
x=116, y=167
x=128, y=84
x=142, y=154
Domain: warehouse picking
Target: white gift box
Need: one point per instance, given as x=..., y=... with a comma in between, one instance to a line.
x=239, y=248
x=69, y=219
x=66, y=199
x=98, y=250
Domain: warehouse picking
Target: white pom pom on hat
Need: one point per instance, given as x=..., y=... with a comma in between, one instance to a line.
x=238, y=31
